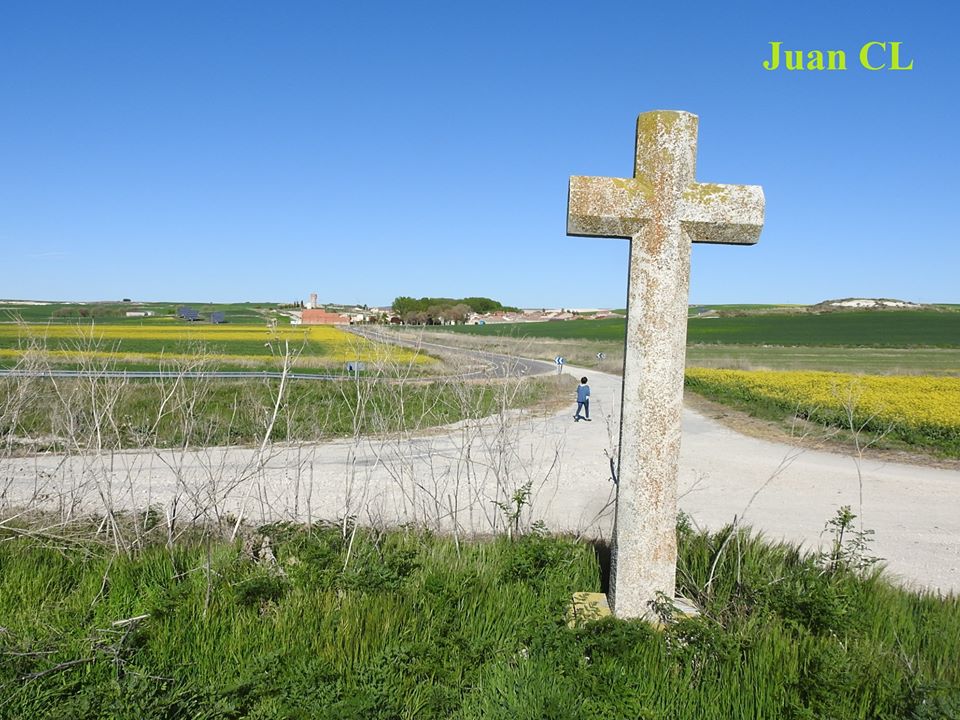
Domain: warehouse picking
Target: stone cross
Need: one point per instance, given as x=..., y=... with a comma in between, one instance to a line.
x=662, y=209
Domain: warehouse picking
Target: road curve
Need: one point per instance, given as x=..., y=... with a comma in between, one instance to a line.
x=495, y=364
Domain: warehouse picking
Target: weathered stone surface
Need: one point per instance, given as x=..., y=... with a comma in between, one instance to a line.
x=587, y=607
x=662, y=209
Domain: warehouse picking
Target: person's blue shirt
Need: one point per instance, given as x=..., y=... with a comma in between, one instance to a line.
x=583, y=393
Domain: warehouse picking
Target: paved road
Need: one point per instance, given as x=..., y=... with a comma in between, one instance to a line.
x=463, y=477
x=492, y=364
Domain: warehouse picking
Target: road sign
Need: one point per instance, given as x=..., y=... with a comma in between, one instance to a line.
x=559, y=360
x=601, y=356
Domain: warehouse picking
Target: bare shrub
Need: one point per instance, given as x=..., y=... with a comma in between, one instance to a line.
x=143, y=470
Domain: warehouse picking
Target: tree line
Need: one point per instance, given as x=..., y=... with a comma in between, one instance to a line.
x=436, y=311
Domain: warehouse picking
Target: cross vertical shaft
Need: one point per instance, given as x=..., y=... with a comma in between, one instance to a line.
x=645, y=544
x=662, y=209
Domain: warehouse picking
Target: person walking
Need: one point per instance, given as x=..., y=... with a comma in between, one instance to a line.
x=583, y=401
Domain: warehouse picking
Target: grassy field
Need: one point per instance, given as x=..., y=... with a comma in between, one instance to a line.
x=866, y=341
x=881, y=361
x=60, y=312
x=583, y=353
x=881, y=342
x=901, y=328
x=175, y=342
x=746, y=308
x=409, y=625
x=116, y=414
x=604, y=329
x=894, y=329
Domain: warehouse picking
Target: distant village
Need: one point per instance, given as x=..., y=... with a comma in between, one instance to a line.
x=312, y=313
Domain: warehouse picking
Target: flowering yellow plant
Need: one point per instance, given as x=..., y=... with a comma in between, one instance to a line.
x=315, y=345
x=916, y=408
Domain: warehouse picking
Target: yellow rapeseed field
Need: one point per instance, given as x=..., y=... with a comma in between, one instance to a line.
x=183, y=332
x=916, y=408
x=77, y=356
x=317, y=344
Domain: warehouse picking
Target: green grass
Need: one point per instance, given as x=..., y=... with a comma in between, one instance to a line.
x=203, y=413
x=900, y=328
x=878, y=361
x=605, y=329
x=415, y=626
x=904, y=328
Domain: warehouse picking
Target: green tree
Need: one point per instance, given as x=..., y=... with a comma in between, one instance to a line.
x=403, y=305
x=459, y=312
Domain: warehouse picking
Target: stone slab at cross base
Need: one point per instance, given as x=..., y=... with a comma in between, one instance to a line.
x=662, y=209
x=587, y=606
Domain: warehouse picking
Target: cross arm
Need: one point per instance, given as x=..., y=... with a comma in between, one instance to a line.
x=728, y=214
x=607, y=207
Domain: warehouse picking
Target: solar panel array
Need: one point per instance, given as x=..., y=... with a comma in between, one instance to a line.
x=188, y=313
x=217, y=317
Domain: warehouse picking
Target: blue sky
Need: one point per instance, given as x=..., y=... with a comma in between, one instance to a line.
x=234, y=151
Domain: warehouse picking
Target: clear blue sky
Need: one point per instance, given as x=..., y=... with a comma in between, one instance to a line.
x=236, y=151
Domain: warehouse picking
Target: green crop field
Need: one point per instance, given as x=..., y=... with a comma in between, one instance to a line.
x=899, y=328
x=894, y=329
x=744, y=308
x=115, y=312
x=876, y=360
x=606, y=329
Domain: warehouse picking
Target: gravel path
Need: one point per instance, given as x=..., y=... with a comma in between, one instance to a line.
x=464, y=477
